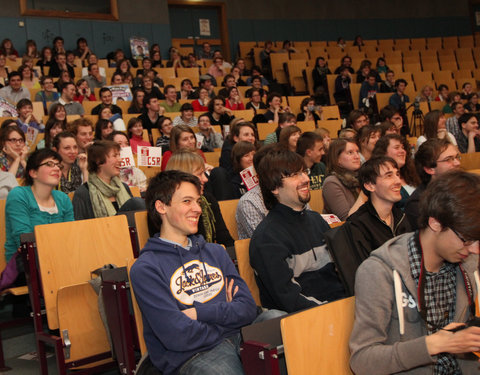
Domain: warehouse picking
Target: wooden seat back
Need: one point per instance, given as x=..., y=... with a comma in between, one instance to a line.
x=228, y=209
x=78, y=314
x=213, y=157
x=136, y=311
x=316, y=340
x=141, y=223
x=470, y=161
x=245, y=269
x=316, y=200
x=69, y=252
x=265, y=128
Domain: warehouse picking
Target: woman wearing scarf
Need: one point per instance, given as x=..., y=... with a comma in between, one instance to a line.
x=104, y=194
x=341, y=189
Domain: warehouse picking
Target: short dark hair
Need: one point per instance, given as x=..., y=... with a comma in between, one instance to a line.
x=271, y=96
x=454, y=105
x=370, y=170
x=97, y=154
x=387, y=112
x=427, y=156
x=167, y=87
x=448, y=199
x=104, y=89
x=66, y=84
x=112, y=135
x=286, y=116
x=147, y=98
x=274, y=166
x=5, y=133
x=464, y=119
x=186, y=107
x=35, y=159
x=400, y=80
x=162, y=187
x=14, y=74
x=307, y=141
x=23, y=103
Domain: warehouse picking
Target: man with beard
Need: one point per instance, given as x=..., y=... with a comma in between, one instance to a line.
x=293, y=267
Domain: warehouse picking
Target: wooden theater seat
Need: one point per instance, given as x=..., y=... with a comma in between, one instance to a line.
x=136, y=311
x=316, y=340
x=228, y=209
x=245, y=269
x=67, y=253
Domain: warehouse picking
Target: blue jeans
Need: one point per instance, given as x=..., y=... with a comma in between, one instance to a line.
x=220, y=360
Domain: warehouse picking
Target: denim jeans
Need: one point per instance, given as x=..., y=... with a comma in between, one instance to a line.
x=220, y=360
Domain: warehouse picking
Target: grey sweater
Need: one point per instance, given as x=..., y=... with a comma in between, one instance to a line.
x=377, y=344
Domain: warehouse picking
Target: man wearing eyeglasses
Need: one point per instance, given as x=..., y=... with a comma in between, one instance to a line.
x=415, y=293
x=293, y=267
x=433, y=158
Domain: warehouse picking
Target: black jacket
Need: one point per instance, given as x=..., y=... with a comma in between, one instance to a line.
x=292, y=266
x=363, y=232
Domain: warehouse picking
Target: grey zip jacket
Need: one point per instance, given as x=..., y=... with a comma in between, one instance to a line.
x=389, y=334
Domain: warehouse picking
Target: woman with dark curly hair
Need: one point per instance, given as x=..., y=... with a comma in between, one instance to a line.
x=397, y=147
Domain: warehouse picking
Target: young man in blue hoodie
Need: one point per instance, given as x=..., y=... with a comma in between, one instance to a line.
x=192, y=299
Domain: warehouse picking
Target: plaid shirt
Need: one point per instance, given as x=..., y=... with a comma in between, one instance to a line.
x=440, y=299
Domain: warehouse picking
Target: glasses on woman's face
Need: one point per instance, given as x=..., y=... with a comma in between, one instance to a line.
x=52, y=164
x=18, y=141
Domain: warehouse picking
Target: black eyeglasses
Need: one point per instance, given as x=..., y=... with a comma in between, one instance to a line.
x=299, y=173
x=52, y=164
x=465, y=242
x=450, y=159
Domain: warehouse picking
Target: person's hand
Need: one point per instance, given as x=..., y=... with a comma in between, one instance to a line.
x=229, y=289
x=441, y=133
x=206, y=100
x=24, y=153
x=191, y=313
x=82, y=161
x=227, y=111
x=8, y=150
x=463, y=341
x=208, y=168
x=287, y=109
x=161, y=111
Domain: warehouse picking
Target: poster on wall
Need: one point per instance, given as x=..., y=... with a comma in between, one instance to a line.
x=139, y=47
x=204, y=27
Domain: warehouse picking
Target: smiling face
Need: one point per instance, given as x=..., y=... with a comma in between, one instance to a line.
x=245, y=134
x=180, y=217
x=292, y=141
x=350, y=157
x=187, y=141
x=84, y=136
x=106, y=131
x=387, y=185
x=137, y=129
x=121, y=140
x=204, y=123
x=247, y=160
x=106, y=113
x=15, y=141
x=167, y=127
x=68, y=150
x=47, y=175
x=111, y=167
x=295, y=191
x=448, y=246
x=106, y=97
x=397, y=152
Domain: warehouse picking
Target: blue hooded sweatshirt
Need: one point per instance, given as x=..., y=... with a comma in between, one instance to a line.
x=167, y=279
